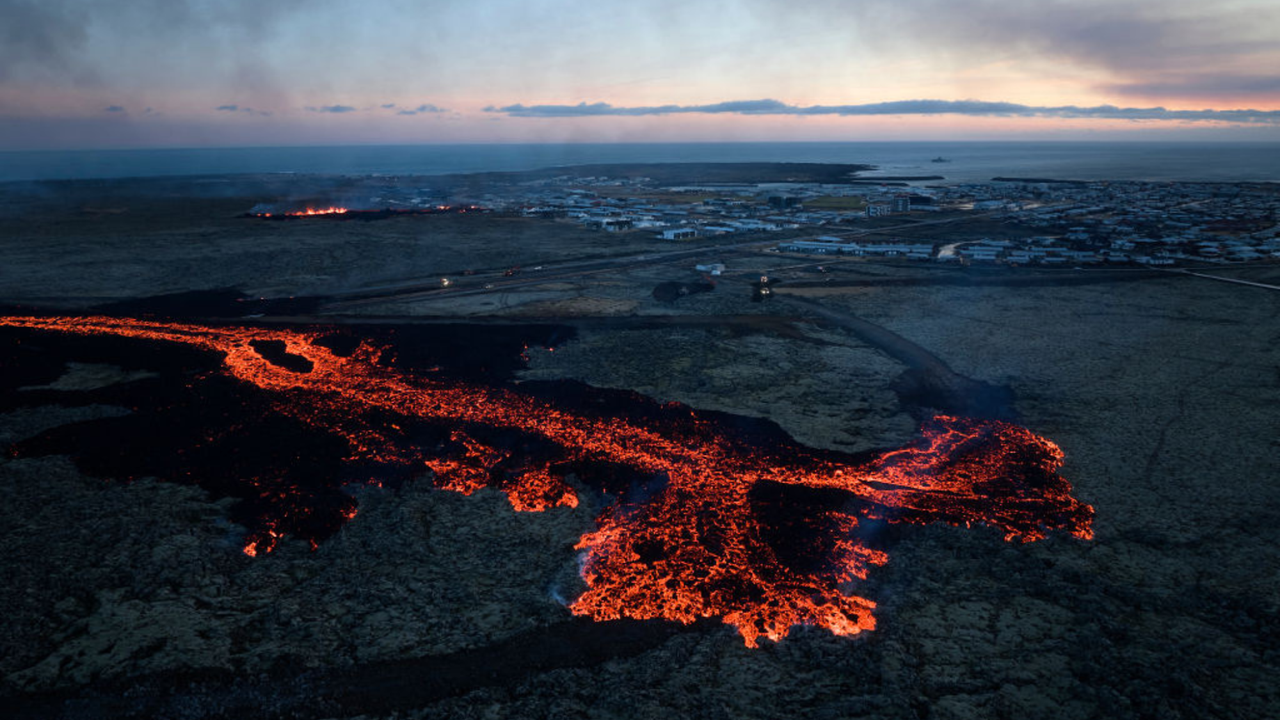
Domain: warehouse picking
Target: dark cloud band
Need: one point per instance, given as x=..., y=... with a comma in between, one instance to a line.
x=425, y=108
x=901, y=107
x=242, y=109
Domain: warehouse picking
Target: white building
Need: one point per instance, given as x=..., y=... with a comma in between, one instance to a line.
x=682, y=233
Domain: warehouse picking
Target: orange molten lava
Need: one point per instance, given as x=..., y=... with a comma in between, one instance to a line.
x=697, y=545
x=332, y=210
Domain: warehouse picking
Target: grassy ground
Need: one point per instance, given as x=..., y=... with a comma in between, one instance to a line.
x=832, y=202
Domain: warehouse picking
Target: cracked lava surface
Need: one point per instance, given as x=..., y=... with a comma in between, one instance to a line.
x=702, y=523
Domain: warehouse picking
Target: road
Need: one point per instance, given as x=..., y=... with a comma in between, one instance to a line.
x=423, y=289
x=550, y=273
x=1219, y=278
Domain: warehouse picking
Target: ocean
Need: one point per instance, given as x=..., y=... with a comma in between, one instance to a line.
x=969, y=161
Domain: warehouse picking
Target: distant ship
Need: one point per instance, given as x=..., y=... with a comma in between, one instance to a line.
x=941, y=159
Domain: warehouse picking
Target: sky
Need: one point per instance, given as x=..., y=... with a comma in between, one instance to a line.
x=208, y=73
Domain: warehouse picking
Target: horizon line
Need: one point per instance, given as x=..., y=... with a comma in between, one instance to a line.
x=558, y=143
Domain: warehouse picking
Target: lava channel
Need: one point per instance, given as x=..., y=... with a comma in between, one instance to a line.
x=697, y=541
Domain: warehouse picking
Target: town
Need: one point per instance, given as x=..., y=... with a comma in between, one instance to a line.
x=1013, y=222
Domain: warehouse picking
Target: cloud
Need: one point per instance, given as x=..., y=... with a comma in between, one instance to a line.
x=1127, y=37
x=1201, y=86
x=425, y=108
x=38, y=36
x=237, y=108
x=59, y=40
x=388, y=106
x=742, y=107
x=337, y=109
x=901, y=107
x=1132, y=48
x=113, y=109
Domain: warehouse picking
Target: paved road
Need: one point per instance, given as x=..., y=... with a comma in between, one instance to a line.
x=550, y=273
x=1250, y=283
x=575, y=269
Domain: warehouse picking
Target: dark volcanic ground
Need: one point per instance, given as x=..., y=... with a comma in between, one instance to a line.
x=134, y=598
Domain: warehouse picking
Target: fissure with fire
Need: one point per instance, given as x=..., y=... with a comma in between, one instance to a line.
x=699, y=543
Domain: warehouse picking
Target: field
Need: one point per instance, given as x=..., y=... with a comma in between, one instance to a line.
x=133, y=597
x=832, y=202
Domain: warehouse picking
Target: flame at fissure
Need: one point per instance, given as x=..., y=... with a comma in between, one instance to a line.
x=331, y=210
x=697, y=543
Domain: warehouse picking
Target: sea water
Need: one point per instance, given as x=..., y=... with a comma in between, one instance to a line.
x=967, y=161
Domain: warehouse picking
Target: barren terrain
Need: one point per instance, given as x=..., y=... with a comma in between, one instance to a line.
x=134, y=598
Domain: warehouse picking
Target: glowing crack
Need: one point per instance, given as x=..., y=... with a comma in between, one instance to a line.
x=696, y=546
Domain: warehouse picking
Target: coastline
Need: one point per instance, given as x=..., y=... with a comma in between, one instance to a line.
x=970, y=161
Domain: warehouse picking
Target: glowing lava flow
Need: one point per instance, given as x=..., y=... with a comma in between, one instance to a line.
x=332, y=210
x=698, y=545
